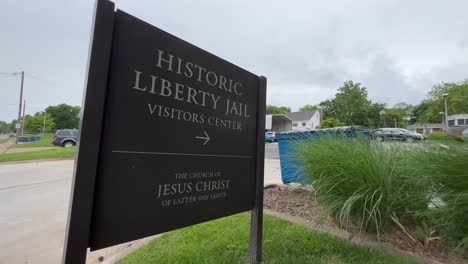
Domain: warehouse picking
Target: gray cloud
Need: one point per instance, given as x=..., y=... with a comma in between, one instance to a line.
x=397, y=49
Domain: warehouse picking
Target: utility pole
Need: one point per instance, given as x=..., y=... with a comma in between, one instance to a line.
x=394, y=119
x=19, y=111
x=445, y=95
x=24, y=117
x=43, y=125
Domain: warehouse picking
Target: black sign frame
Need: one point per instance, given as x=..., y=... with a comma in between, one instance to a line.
x=78, y=231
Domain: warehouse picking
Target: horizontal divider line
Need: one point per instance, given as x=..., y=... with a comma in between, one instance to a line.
x=180, y=154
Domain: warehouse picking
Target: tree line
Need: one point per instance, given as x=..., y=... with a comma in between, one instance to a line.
x=351, y=106
x=60, y=116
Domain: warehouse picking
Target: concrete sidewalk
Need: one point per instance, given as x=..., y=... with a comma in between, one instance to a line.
x=272, y=172
x=5, y=145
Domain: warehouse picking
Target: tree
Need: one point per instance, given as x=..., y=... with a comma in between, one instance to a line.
x=328, y=107
x=12, y=125
x=428, y=111
x=309, y=108
x=64, y=116
x=331, y=122
x=352, y=106
x=4, y=127
x=36, y=123
x=401, y=114
x=271, y=110
x=373, y=115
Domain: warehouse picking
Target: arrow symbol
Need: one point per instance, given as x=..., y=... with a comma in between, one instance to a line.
x=206, y=138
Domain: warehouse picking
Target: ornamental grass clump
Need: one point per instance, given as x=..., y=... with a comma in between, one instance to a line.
x=362, y=182
x=447, y=167
x=379, y=184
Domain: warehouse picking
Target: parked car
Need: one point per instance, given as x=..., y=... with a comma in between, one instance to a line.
x=65, y=137
x=396, y=134
x=270, y=136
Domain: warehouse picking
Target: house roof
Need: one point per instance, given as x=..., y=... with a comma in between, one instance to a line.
x=435, y=125
x=300, y=116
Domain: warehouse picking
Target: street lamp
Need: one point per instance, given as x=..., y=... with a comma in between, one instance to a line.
x=445, y=95
x=382, y=113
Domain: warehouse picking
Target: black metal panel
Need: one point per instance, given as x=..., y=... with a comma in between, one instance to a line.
x=81, y=199
x=175, y=156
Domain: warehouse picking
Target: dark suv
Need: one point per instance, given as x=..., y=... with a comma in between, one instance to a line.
x=66, y=137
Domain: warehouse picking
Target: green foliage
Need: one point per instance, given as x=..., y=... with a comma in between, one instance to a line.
x=56, y=153
x=12, y=125
x=271, y=109
x=4, y=127
x=400, y=114
x=35, y=123
x=445, y=166
x=363, y=183
x=65, y=116
x=331, y=122
x=309, y=108
x=457, y=101
x=226, y=240
x=352, y=106
x=381, y=184
x=437, y=136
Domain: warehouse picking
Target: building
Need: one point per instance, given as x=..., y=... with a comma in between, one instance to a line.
x=303, y=121
x=278, y=123
x=426, y=129
x=458, y=120
x=456, y=125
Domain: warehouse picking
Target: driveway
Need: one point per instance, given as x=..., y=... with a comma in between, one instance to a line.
x=271, y=151
x=34, y=201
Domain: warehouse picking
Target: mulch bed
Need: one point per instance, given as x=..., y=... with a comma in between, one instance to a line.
x=297, y=201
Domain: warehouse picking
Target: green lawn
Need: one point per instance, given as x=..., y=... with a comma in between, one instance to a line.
x=4, y=140
x=41, y=154
x=46, y=141
x=226, y=240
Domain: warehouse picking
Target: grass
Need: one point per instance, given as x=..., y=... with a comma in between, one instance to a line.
x=442, y=137
x=5, y=140
x=226, y=240
x=362, y=182
x=46, y=141
x=55, y=153
x=378, y=185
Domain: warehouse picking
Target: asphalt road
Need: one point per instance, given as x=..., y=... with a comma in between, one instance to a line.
x=34, y=205
x=271, y=151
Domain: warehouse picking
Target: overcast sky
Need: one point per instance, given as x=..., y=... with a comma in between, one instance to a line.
x=397, y=49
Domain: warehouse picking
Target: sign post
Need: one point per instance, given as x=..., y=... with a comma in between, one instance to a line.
x=171, y=136
x=256, y=226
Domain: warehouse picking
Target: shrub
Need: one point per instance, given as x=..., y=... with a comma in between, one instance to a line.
x=447, y=167
x=362, y=182
x=425, y=186
x=437, y=136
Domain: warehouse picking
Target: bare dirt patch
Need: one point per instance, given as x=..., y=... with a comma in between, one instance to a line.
x=296, y=203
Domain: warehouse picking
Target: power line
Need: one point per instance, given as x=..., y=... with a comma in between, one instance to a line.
x=6, y=76
x=10, y=73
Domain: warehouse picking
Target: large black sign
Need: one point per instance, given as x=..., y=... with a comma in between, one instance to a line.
x=178, y=143
x=176, y=131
